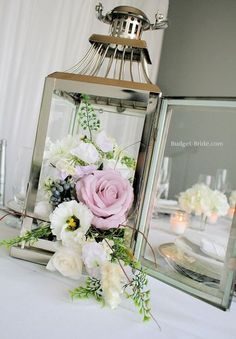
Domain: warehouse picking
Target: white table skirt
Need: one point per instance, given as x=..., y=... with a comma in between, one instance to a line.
x=35, y=304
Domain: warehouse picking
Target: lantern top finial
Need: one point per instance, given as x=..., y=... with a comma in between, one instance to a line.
x=129, y=22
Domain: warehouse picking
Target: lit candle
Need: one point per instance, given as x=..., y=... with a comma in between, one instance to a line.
x=213, y=218
x=179, y=222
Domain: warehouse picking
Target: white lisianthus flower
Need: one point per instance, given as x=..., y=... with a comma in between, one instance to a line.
x=104, y=142
x=219, y=203
x=111, y=283
x=67, y=261
x=70, y=221
x=87, y=152
x=94, y=256
x=125, y=171
x=232, y=198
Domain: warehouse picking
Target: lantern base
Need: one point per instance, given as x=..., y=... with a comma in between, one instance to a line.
x=39, y=253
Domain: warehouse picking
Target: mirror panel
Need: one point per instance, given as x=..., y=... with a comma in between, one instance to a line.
x=188, y=213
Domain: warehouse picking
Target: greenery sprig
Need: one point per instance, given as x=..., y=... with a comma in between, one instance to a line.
x=92, y=288
x=139, y=295
x=87, y=116
x=30, y=237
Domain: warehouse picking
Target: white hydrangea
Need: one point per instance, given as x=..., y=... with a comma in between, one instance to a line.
x=111, y=283
x=64, y=219
x=196, y=200
x=219, y=203
x=201, y=200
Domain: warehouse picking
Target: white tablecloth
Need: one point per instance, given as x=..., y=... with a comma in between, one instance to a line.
x=34, y=304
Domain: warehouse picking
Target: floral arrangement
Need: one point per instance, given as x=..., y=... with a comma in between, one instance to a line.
x=201, y=200
x=88, y=201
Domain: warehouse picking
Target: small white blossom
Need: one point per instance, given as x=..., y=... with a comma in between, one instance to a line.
x=104, y=142
x=111, y=283
x=65, y=166
x=43, y=209
x=94, y=256
x=67, y=261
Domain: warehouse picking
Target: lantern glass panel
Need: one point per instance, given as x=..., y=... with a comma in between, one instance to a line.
x=190, y=230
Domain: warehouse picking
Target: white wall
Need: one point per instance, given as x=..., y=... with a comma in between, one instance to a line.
x=38, y=37
x=199, y=49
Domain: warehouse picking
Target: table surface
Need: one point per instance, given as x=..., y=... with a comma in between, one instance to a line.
x=35, y=304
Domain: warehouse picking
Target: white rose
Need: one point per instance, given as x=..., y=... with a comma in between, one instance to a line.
x=86, y=152
x=104, y=142
x=67, y=261
x=125, y=171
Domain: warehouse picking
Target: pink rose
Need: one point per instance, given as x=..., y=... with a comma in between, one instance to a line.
x=107, y=195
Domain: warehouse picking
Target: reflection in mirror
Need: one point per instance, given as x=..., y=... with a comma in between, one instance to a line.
x=195, y=196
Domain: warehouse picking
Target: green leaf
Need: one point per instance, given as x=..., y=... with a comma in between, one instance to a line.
x=29, y=237
x=87, y=116
x=92, y=288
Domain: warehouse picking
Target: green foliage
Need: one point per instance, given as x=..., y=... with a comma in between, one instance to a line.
x=110, y=155
x=92, y=288
x=87, y=117
x=129, y=162
x=120, y=251
x=140, y=297
x=29, y=237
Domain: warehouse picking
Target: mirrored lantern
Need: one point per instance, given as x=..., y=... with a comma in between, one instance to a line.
x=101, y=113
x=104, y=112
x=190, y=231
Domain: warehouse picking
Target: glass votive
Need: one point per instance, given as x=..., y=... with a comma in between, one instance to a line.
x=179, y=221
